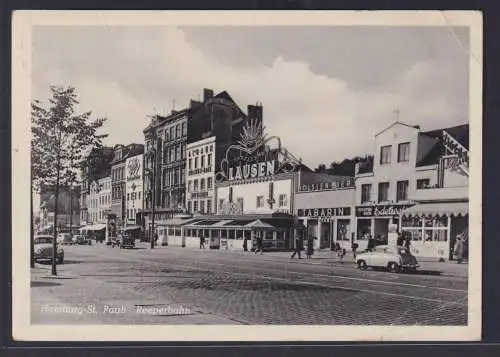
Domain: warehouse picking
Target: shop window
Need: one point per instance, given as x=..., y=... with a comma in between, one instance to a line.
x=383, y=191
x=423, y=183
x=177, y=231
x=402, y=191
x=364, y=228
x=239, y=234
x=404, y=152
x=232, y=234
x=385, y=155
x=343, y=229
x=283, y=202
x=260, y=201
x=366, y=190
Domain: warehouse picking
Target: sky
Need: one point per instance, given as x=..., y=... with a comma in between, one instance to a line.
x=325, y=90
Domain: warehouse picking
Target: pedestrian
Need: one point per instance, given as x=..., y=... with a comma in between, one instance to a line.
x=156, y=239
x=340, y=253
x=299, y=243
x=258, y=247
x=245, y=244
x=310, y=248
x=400, y=240
x=458, y=249
x=202, y=242
x=371, y=243
x=408, y=241
x=354, y=247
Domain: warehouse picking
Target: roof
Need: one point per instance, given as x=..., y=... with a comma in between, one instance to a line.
x=416, y=127
x=459, y=133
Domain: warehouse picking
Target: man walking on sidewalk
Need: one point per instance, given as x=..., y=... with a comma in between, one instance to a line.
x=299, y=243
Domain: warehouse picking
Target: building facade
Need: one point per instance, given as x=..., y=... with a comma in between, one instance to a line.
x=119, y=181
x=200, y=173
x=134, y=189
x=167, y=138
x=324, y=204
x=407, y=163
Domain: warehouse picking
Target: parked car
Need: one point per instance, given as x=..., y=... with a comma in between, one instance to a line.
x=81, y=240
x=43, y=249
x=64, y=238
x=127, y=241
x=393, y=258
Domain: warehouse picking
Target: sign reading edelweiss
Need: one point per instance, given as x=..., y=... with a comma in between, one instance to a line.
x=252, y=157
x=381, y=211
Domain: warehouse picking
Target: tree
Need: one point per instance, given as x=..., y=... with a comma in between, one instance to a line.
x=60, y=139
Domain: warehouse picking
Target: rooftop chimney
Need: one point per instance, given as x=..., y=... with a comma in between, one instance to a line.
x=207, y=94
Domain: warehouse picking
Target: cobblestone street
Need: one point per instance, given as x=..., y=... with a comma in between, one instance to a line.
x=189, y=286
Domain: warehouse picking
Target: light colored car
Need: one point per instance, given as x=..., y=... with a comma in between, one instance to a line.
x=64, y=238
x=393, y=258
x=81, y=240
x=43, y=249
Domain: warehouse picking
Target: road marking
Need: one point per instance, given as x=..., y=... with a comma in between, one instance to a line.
x=295, y=282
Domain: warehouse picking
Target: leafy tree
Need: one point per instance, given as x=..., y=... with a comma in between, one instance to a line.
x=60, y=139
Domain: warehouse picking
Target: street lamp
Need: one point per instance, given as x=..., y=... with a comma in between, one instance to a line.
x=151, y=172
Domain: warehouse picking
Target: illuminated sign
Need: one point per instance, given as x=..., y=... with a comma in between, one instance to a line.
x=455, y=148
x=380, y=211
x=324, y=212
x=133, y=169
x=253, y=156
x=328, y=186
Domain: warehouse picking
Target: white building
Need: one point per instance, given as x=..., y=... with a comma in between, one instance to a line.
x=200, y=176
x=406, y=161
x=99, y=201
x=134, y=188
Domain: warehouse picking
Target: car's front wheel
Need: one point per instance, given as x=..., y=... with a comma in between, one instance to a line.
x=362, y=264
x=393, y=267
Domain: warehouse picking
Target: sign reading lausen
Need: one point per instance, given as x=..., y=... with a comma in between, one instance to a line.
x=259, y=169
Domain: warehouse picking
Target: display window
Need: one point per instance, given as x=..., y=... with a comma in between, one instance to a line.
x=426, y=229
x=364, y=229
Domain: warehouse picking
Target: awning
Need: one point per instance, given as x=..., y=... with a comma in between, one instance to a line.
x=94, y=227
x=131, y=228
x=438, y=209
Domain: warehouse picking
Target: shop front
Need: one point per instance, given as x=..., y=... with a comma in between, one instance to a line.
x=375, y=221
x=328, y=226
x=434, y=227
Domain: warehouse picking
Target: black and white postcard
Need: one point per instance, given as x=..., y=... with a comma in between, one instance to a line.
x=247, y=176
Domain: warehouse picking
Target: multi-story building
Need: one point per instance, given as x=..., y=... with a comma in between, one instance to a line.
x=118, y=180
x=134, y=192
x=406, y=163
x=200, y=172
x=99, y=201
x=217, y=116
x=97, y=166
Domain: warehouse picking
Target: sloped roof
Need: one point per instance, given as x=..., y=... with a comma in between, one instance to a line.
x=459, y=133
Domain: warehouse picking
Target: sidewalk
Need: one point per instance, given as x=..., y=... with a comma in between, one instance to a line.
x=427, y=266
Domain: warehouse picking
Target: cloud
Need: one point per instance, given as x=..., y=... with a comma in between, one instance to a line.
x=126, y=74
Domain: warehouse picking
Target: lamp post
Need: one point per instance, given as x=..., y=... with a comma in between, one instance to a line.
x=151, y=172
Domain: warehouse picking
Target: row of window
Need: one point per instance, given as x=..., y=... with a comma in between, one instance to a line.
x=260, y=201
x=403, y=153
x=192, y=185
x=118, y=173
x=132, y=213
x=174, y=176
x=383, y=190
x=175, y=131
x=201, y=162
x=102, y=200
x=174, y=153
x=132, y=196
x=200, y=206
x=97, y=216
